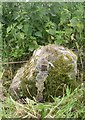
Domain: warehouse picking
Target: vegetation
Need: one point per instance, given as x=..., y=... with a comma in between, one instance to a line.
x=25, y=27
x=28, y=25
x=69, y=106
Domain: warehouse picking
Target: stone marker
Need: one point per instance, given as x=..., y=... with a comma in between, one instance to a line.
x=49, y=71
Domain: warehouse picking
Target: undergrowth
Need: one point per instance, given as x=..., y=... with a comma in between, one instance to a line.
x=69, y=106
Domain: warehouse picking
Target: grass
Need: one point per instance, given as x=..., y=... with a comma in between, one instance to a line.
x=69, y=106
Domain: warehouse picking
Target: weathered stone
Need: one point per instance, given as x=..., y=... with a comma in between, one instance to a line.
x=46, y=74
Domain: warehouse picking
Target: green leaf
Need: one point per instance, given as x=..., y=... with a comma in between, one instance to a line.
x=20, y=26
x=74, y=21
x=60, y=32
x=33, y=45
x=9, y=29
x=22, y=35
x=80, y=27
x=25, y=29
x=68, y=31
x=51, y=31
x=59, y=41
x=17, y=52
x=39, y=34
x=65, y=16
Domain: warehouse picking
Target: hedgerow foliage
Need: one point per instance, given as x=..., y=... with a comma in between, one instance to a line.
x=26, y=26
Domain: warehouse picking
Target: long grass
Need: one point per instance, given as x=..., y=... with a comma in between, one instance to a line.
x=69, y=106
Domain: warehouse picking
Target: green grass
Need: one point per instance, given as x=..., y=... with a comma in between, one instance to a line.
x=69, y=106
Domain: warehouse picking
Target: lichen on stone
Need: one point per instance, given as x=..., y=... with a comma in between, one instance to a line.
x=46, y=74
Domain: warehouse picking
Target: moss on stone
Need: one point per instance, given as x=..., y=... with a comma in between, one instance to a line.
x=58, y=79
